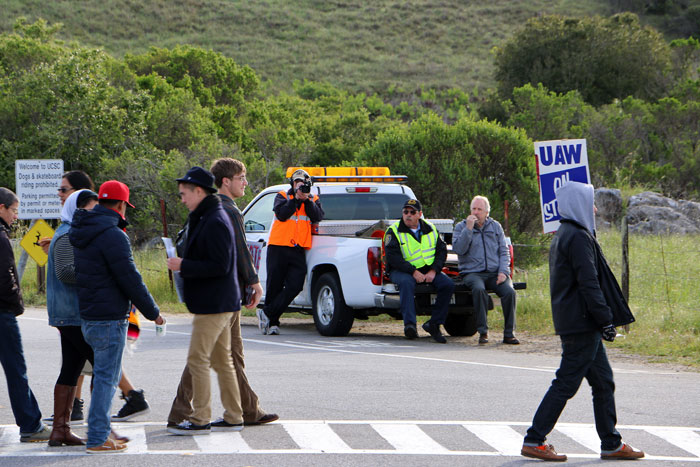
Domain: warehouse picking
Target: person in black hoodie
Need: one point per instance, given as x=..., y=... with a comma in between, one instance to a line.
x=108, y=283
x=587, y=304
x=211, y=293
x=24, y=405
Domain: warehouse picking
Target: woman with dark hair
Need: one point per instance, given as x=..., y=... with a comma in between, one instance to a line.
x=24, y=405
x=73, y=181
x=64, y=314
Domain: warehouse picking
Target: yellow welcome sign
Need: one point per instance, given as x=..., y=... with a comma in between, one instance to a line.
x=30, y=242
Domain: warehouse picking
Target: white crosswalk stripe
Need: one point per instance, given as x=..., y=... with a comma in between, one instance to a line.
x=399, y=438
x=503, y=438
x=409, y=438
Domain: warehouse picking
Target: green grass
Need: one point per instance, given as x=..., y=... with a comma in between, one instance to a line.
x=663, y=294
x=355, y=44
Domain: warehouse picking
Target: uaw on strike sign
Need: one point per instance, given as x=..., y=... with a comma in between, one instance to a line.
x=558, y=162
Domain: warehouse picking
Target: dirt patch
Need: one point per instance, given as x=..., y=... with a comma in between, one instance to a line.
x=529, y=343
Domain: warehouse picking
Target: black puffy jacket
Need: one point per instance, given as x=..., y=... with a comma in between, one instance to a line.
x=106, y=276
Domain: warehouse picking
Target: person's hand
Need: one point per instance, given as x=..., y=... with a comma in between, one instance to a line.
x=255, y=296
x=418, y=276
x=609, y=332
x=44, y=244
x=471, y=220
x=501, y=278
x=301, y=196
x=430, y=275
x=160, y=320
x=174, y=264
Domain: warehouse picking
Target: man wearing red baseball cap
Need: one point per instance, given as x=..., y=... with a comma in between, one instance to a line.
x=108, y=282
x=116, y=191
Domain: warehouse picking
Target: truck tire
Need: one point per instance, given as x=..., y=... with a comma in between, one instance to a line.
x=461, y=325
x=331, y=316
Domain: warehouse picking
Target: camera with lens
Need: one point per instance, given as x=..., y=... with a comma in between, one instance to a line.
x=305, y=187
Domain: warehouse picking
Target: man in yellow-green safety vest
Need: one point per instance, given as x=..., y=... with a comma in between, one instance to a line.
x=415, y=253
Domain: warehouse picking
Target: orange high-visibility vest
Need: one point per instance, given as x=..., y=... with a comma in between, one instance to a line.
x=294, y=231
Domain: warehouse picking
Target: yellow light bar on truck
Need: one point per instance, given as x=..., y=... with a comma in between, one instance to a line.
x=350, y=174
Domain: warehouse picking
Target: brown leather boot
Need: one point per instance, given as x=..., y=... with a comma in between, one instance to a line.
x=62, y=406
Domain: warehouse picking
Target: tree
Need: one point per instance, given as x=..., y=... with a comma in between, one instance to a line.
x=603, y=58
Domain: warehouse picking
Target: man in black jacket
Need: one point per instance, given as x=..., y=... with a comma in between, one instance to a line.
x=108, y=283
x=230, y=178
x=24, y=405
x=415, y=254
x=582, y=317
x=211, y=293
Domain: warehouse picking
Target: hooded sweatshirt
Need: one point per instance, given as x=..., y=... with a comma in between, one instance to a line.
x=578, y=302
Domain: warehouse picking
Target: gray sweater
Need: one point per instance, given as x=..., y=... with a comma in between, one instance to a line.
x=481, y=249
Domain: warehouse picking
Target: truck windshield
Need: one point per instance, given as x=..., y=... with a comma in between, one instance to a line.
x=364, y=206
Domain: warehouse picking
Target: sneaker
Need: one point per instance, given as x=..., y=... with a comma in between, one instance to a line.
x=267, y=418
x=110, y=446
x=134, y=406
x=188, y=428
x=625, y=451
x=274, y=331
x=263, y=322
x=410, y=331
x=76, y=414
x=223, y=425
x=434, y=331
x=544, y=452
x=39, y=436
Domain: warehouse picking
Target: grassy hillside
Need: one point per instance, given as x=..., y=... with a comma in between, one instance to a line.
x=359, y=45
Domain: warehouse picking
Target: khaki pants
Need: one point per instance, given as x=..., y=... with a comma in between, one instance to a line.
x=182, y=405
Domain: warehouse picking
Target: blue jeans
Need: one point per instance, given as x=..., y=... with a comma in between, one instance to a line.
x=24, y=406
x=444, y=287
x=107, y=339
x=583, y=356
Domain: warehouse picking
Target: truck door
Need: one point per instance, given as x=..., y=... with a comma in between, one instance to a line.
x=257, y=221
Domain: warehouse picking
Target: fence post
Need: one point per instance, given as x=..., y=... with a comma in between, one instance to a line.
x=625, y=264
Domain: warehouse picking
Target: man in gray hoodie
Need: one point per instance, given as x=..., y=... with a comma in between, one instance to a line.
x=586, y=305
x=484, y=264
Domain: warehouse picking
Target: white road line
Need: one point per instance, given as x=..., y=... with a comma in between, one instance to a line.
x=503, y=438
x=222, y=443
x=688, y=440
x=137, y=435
x=408, y=438
x=318, y=437
x=582, y=434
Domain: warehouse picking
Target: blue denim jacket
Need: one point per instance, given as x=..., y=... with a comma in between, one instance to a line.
x=61, y=299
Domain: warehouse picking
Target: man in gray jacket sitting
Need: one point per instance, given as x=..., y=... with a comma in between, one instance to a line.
x=484, y=264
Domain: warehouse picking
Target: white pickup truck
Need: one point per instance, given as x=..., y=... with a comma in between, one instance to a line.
x=345, y=276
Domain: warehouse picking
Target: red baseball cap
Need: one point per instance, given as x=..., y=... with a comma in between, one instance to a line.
x=116, y=191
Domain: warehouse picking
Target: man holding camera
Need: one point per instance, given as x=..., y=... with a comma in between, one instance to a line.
x=290, y=236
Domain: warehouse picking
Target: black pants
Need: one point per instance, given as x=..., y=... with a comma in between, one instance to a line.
x=74, y=352
x=286, y=271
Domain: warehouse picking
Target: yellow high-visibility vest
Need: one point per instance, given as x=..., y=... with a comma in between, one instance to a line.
x=418, y=254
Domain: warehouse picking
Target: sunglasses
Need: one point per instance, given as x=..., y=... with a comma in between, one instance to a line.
x=410, y=211
x=65, y=190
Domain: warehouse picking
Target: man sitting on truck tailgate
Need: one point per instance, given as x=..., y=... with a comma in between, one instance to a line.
x=290, y=237
x=484, y=263
x=415, y=253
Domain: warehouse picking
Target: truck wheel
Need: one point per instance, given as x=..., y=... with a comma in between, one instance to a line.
x=331, y=316
x=461, y=325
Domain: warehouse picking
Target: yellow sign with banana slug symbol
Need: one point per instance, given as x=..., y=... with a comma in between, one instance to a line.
x=30, y=242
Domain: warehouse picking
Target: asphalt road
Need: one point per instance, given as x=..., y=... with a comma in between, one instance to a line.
x=367, y=400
